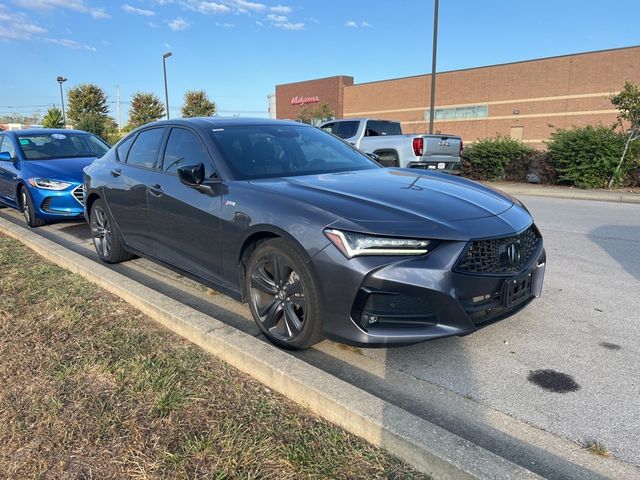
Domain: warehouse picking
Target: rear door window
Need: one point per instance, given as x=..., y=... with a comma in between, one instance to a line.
x=145, y=150
x=376, y=128
x=346, y=129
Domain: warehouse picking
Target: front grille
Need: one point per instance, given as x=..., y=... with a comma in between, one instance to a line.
x=78, y=194
x=501, y=255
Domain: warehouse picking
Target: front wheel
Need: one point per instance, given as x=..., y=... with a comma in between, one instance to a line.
x=284, y=295
x=29, y=210
x=106, y=237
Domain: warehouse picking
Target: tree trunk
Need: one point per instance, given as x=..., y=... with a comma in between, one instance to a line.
x=635, y=132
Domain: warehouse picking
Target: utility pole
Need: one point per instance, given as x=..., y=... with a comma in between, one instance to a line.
x=433, y=66
x=118, y=108
x=166, y=90
x=61, y=80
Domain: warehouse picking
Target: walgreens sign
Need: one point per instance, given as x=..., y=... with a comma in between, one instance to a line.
x=304, y=100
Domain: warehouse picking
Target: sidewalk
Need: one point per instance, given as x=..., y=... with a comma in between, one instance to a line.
x=566, y=192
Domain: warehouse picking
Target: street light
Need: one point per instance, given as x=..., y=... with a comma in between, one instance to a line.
x=61, y=80
x=433, y=66
x=164, y=69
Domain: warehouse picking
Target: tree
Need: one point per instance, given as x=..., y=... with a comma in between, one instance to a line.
x=53, y=118
x=627, y=101
x=145, y=108
x=197, y=104
x=86, y=101
x=90, y=122
x=315, y=116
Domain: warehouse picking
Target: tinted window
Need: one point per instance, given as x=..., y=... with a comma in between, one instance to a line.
x=145, y=149
x=46, y=146
x=329, y=127
x=6, y=145
x=345, y=129
x=264, y=151
x=377, y=128
x=183, y=148
x=124, y=147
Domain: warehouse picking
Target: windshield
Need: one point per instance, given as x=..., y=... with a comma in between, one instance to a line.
x=46, y=146
x=267, y=151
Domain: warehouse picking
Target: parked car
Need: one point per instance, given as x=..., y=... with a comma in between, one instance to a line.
x=384, y=138
x=41, y=171
x=317, y=238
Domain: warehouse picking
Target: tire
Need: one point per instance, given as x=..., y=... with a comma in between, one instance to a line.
x=284, y=295
x=28, y=209
x=106, y=237
x=388, y=158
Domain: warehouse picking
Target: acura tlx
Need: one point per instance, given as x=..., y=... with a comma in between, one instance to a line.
x=317, y=237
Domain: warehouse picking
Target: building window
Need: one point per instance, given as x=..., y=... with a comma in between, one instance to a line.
x=459, y=113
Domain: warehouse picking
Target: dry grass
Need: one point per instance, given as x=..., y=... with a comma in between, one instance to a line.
x=597, y=448
x=90, y=388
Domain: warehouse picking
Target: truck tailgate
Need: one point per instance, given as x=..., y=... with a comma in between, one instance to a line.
x=441, y=148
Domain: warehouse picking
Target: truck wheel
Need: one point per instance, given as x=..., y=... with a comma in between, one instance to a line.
x=388, y=158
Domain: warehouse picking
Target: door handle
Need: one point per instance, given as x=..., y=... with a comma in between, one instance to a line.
x=155, y=190
x=116, y=172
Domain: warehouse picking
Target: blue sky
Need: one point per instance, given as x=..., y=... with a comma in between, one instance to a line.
x=237, y=50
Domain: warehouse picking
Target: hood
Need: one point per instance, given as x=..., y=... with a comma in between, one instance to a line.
x=393, y=195
x=65, y=169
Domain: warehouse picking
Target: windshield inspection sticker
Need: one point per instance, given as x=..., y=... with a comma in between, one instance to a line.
x=24, y=141
x=58, y=136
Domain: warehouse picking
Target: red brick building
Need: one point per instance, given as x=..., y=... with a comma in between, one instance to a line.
x=525, y=100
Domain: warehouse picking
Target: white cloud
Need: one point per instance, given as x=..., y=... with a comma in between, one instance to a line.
x=225, y=25
x=276, y=18
x=281, y=9
x=75, y=5
x=289, y=26
x=252, y=6
x=365, y=24
x=15, y=26
x=206, y=7
x=351, y=24
x=152, y=25
x=68, y=43
x=178, y=24
x=138, y=11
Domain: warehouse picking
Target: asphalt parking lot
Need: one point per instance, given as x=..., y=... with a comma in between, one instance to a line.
x=564, y=369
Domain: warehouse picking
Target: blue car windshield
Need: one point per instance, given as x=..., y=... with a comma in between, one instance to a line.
x=268, y=151
x=47, y=146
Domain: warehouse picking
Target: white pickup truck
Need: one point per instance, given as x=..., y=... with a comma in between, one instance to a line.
x=384, y=138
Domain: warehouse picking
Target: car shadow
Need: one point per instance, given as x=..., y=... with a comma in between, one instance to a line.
x=622, y=243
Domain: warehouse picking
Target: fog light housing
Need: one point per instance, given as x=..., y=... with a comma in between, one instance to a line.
x=382, y=309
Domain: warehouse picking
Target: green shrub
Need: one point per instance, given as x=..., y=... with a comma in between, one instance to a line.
x=586, y=157
x=537, y=162
x=487, y=158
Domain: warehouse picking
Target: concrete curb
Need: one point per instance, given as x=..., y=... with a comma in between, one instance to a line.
x=569, y=193
x=425, y=446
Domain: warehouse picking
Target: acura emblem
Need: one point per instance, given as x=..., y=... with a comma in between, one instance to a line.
x=513, y=253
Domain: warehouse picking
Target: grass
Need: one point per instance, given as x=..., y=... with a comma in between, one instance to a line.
x=597, y=448
x=91, y=388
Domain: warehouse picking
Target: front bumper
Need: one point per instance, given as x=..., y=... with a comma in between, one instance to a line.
x=53, y=204
x=377, y=301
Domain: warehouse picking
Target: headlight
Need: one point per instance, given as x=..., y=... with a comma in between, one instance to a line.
x=354, y=244
x=48, y=184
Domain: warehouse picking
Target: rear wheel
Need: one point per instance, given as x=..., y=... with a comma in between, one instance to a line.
x=28, y=209
x=105, y=234
x=284, y=295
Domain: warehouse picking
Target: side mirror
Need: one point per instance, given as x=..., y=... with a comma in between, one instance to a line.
x=5, y=157
x=191, y=175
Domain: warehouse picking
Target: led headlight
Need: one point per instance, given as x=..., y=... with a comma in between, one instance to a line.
x=353, y=244
x=48, y=184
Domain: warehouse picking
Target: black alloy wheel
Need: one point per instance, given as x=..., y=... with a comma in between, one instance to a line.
x=106, y=238
x=283, y=296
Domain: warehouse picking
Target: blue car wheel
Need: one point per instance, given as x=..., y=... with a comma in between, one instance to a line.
x=28, y=210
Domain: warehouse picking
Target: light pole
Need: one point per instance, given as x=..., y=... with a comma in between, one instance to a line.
x=166, y=90
x=433, y=66
x=61, y=80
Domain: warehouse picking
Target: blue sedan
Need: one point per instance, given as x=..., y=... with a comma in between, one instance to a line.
x=41, y=172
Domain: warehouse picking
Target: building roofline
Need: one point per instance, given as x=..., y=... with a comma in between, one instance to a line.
x=496, y=65
x=315, y=80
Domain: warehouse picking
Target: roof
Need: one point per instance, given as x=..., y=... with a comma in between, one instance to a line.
x=43, y=131
x=213, y=122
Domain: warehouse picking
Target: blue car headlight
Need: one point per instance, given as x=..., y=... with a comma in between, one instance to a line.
x=48, y=184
